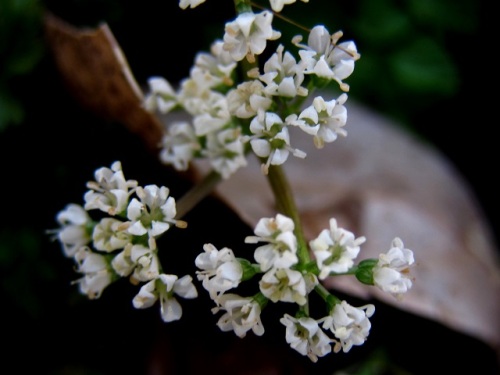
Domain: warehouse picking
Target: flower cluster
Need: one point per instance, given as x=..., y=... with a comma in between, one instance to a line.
x=284, y=277
x=228, y=118
x=237, y=105
x=123, y=242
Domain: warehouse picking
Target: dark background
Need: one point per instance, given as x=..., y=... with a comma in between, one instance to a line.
x=427, y=64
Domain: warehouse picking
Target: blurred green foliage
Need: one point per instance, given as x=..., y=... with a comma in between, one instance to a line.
x=21, y=48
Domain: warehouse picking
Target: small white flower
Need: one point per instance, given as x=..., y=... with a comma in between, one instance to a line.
x=305, y=336
x=220, y=270
x=218, y=64
x=248, y=34
x=213, y=114
x=247, y=99
x=335, y=249
x=271, y=140
x=226, y=152
x=184, y=4
x=164, y=287
x=324, y=120
x=281, y=252
x=161, y=97
x=74, y=231
x=284, y=284
x=277, y=5
x=325, y=58
x=110, y=191
x=349, y=324
x=195, y=91
x=332, y=116
x=391, y=273
x=242, y=315
x=283, y=76
x=146, y=263
x=97, y=274
x=153, y=214
x=122, y=263
x=179, y=145
x=110, y=235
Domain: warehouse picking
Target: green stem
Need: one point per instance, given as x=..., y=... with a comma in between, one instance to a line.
x=329, y=298
x=197, y=193
x=285, y=203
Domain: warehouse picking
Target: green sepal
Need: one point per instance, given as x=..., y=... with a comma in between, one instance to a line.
x=364, y=271
x=331, y=301
x=249, y=269
x=261, y=299
x=310, y=267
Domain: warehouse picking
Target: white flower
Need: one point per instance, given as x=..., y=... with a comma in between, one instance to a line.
x=184, y=4
x=195, y=91
x=277, y=5
x=271, y=140
x=284, y=284
x=164, y=287
x=332, y=116
x=220, y=270
x=226, y=152
x=96, y=272
x=349, y=324
x=122, y=263
x=283, y=76
x=324, y=120
x=213, y=114
x=281, y=252
x=179, y=145
x=74, y=232
x=325, y=58
x=146, y=263
x=218, y=64
x=153, y=214
x=247, y=99
x=162, y=96
x=247, y=35
x=110, y=191
x=305, y=336
x=391, y=273
x=335, y=249
x=109, y=235
x=242, y=315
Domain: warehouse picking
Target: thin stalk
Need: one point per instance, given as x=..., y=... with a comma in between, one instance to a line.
x=197, y=193
x=286, y=204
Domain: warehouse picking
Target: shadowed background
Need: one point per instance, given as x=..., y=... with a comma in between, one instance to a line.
x=423, y=64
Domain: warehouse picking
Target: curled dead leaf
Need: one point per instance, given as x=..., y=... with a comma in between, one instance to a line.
x=96, y=72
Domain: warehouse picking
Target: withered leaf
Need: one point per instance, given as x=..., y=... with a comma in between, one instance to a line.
x=97, y=74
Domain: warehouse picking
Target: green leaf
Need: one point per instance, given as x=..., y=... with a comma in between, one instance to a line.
x=425, y=67
x=448, y=15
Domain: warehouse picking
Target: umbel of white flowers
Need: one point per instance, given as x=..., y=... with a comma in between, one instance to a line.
x=123, y=244
x=229, y=120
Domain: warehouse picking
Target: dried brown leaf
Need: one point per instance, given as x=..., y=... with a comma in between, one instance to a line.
x=97, y=74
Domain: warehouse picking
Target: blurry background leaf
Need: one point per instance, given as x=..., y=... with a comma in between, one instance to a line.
x=424, y=67
x=21, y=47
